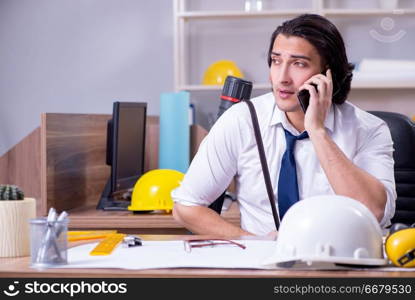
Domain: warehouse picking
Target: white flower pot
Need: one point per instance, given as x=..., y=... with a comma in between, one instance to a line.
x=14, y=226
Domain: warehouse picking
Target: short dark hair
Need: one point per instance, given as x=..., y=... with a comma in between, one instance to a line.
x=325, y=37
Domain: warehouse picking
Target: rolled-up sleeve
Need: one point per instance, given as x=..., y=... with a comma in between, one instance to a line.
x=214, y=165
x=375, y=156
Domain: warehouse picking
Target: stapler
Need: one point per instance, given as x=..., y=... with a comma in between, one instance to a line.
x=131, y=241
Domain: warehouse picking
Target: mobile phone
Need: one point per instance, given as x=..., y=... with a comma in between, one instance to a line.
x=304, y=97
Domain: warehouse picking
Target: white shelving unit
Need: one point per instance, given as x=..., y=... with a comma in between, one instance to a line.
x=277, y=13
x=182, y=17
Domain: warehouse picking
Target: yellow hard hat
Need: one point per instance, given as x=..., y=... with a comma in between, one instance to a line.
x=152, y=190
x=400, y=247
x=217, y=72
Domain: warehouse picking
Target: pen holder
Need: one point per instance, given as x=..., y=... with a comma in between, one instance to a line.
x=48, y=242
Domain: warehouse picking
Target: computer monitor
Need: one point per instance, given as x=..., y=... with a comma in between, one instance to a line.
x=125, y=153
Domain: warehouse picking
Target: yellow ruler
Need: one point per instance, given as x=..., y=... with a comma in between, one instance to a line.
x=106, y=246
x=89, y=235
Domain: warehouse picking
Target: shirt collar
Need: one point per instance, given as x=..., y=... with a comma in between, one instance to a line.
x=279, y=117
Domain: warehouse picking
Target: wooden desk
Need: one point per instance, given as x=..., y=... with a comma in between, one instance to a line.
x=88, y=217
x=19, y=267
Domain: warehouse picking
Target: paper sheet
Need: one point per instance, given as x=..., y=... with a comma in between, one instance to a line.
x=408, y=76
x=399, y=73
x=389, y=66
x=171, y=254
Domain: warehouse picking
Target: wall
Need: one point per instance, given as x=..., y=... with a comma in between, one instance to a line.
x=78, y=56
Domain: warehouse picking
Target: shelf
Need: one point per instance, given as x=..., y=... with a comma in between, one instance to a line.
x=356, y=84
x=260, y=86
x=239, y=14
x=182, y=49
x=283, y=13
x=366, y=12
x=403, y=84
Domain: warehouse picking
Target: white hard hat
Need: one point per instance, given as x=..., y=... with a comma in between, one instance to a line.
x=328, y=229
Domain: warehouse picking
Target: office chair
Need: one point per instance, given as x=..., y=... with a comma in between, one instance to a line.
x=403, y=135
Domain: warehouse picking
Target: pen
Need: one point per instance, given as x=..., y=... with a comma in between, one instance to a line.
x=49, y=222
x=58, y=227
x=59, y=221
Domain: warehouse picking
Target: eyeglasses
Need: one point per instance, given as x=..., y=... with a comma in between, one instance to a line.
x=198, y=243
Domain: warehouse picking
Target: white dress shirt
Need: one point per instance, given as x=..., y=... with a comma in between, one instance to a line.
x=230, y=150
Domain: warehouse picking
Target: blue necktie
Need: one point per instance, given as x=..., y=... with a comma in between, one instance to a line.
x=287, y=182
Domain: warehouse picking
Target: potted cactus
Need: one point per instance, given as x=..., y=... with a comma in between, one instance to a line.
x=15, y=213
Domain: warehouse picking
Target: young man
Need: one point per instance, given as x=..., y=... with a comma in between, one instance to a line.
x=333, y=148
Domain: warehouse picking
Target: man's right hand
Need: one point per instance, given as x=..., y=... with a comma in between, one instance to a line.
x=203, y=220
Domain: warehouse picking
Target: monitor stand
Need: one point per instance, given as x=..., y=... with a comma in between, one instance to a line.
x=108, y=203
